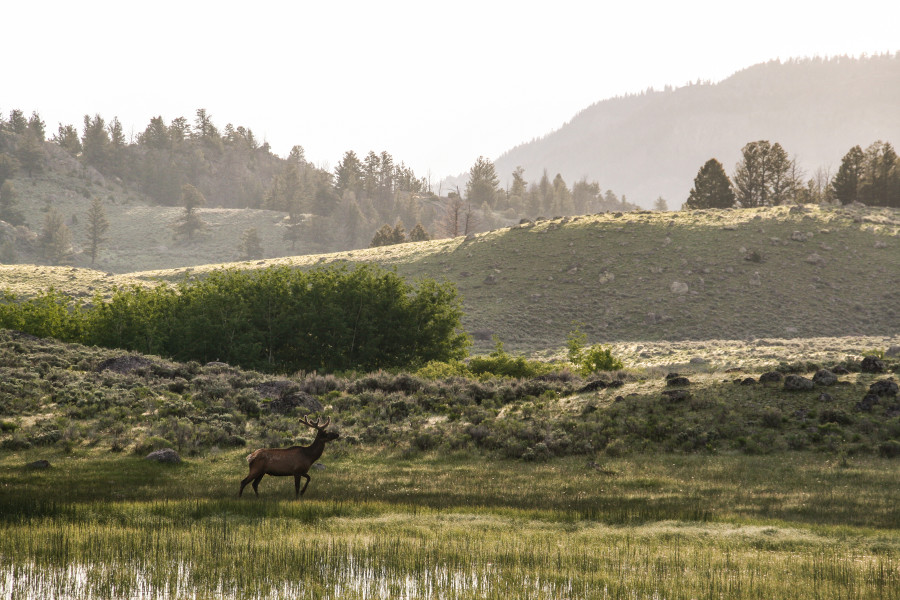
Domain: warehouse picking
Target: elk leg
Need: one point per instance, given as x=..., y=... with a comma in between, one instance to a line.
x=244, y=482
x=256, y=483
x=297, y=478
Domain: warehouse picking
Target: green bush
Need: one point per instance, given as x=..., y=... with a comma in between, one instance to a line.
x=590, y=359
x=502, y=364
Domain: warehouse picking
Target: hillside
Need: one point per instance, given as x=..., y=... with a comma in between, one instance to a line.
x=653, y=144
x=803, y=272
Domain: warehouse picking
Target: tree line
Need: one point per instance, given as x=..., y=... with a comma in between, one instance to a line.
x=273, y=320
x=767, y=176
x=230, y=167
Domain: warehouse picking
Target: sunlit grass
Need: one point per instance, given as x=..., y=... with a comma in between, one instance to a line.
x=454, y=527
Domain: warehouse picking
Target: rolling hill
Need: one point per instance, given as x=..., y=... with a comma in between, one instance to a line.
x=653, y=144
x=781, y=272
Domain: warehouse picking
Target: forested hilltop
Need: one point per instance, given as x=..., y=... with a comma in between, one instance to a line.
x=189, y=192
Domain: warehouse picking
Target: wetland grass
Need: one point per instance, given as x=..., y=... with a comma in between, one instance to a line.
x=454, y=527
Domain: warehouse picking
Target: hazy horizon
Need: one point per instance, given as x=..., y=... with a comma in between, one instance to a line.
x=436, y=86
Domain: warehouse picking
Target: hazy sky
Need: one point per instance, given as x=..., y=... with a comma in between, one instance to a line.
x=436, y=84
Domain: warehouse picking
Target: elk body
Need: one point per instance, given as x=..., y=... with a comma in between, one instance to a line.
x=295, y=460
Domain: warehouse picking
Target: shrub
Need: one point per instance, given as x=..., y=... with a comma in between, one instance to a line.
x=437, y=369
x=502, y=364
x=889, y=449
x=590, y=359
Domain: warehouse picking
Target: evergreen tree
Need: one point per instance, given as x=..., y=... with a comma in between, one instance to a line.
x=31, y=154
x=562, y=197
x=518, y=190
x=8, y=254
x=8, y=166
x=9, y=201
x=712, y=188
x=251, y=246
x=764, y=176
x=37, y=127
x=660, y=205
x=418, y=234
x=97, y=225
x=293, y=234
x=67, y=139
x=383, y=237
x=95, y=142
x=483, y=184
x=55, y=239
x=585, y=195
x=846, y=181
x=18, y=124
x=190, y=221
x=880, y=182
x=348, y=175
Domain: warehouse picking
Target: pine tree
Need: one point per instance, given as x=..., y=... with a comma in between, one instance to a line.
x=190, y=221
x=712, y=188
x=67, y=139
x=418, y=234
x=383, y=237
x=97, y=225
x=846, y=181
x=251, y=246
x=483, y=183
x=55, y=240
x=95, y=142
x=765, y=176
x=31, y=153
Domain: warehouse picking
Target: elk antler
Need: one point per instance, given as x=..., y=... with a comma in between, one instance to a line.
x=315, y=424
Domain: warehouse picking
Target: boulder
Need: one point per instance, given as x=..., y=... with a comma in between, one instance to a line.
x=677, y=381
x=824, y=377
x=38, y=464
x=796, y=383
x=872, y=364
x=884, y=387
x=771, y=377
x=593, y=386
x=825, y=397
x=678, y=287
x=166, y=455
x=866, y=404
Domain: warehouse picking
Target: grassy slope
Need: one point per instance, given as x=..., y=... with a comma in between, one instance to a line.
x=615, y=274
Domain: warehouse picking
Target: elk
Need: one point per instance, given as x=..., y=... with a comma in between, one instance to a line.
x=295, y=460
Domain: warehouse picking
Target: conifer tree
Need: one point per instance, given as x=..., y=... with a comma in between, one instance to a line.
x=419, y=234
x=712, y=188
x=251, y=246
x=97, y=225
x=55, y=240
x=190, y=221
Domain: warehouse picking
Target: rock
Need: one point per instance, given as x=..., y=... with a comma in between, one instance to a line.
x=825, y=397
x=824, y=377
x=755, y=279
x=38, y=464
x=166, y=455
x=678, y=287
x=771, y=377
x=798, y=236
x=491, y=279
x=678, y=381
x=676, y=395
x=795, y=383
x=593, y=386
x=884, y=387
x=866, y=404
x=815, y=259
x=872, y=364
x=699, y=360
x=748, y=381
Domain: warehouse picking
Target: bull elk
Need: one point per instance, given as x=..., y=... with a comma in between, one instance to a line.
x=295, y=460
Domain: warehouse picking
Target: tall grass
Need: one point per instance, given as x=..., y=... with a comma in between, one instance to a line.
x=376, y=527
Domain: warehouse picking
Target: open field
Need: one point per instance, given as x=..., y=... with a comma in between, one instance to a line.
x=376, y=526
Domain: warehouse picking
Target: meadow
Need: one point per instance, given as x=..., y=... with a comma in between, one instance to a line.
x=377, y=525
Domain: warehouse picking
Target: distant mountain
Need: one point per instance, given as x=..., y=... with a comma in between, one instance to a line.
x=653, y=144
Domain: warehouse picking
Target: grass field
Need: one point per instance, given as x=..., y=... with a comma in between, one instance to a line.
x=377, y=526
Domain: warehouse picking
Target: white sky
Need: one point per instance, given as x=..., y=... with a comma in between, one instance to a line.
x=436, y=84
